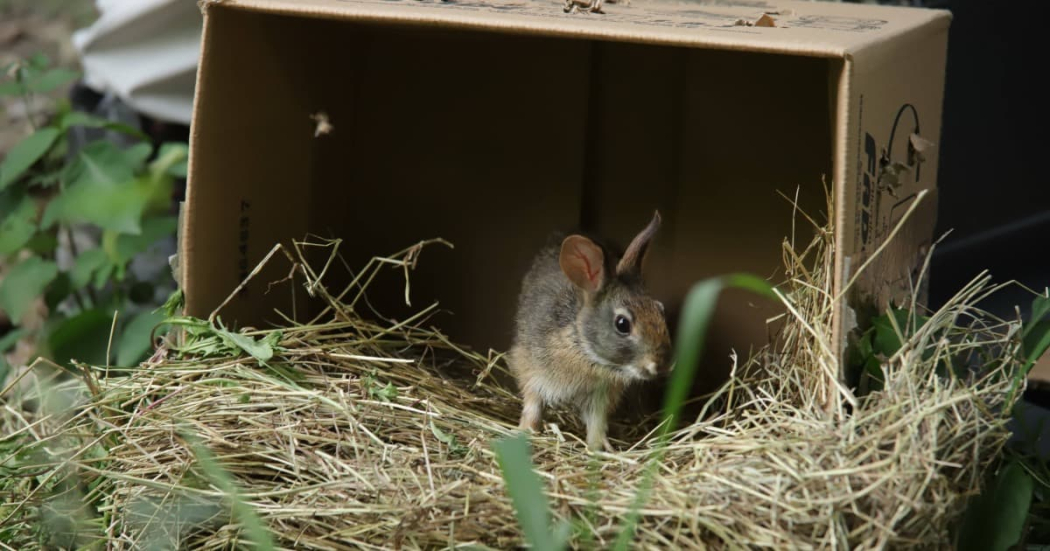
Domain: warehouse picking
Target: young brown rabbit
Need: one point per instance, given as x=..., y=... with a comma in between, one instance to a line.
x=586, y=328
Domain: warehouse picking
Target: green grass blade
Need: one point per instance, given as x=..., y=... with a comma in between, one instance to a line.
x=254, y=527
x=514, y=456
x=697, y=311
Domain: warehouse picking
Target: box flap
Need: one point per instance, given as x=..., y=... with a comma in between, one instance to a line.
x=1039, y=376
x=823, y=29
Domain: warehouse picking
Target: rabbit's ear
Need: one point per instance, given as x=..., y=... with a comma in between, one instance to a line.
x=635, y=254
x=584, y=262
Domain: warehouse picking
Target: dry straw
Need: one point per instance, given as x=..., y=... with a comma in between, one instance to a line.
x=363, y=434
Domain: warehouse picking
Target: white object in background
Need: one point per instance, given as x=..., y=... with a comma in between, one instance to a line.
x=146, y=53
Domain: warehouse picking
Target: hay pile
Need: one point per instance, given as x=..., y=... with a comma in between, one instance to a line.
x=364, y=435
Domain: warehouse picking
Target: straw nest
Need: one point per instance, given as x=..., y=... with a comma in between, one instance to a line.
x=362, y=434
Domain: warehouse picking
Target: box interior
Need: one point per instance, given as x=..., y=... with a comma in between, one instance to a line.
x=492, y=141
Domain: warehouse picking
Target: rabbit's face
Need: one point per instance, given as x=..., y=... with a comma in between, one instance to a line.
x=625, y=330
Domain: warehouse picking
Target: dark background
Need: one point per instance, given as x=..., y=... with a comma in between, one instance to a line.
x=994, y=195
x=993, y=189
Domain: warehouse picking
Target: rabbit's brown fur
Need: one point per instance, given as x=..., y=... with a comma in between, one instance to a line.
x=569, y=346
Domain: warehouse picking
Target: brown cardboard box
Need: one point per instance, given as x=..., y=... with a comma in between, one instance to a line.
x=1039, y=376
x=492, y=122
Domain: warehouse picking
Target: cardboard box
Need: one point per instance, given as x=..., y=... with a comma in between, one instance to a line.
x=491, y=123
x=1039, y=376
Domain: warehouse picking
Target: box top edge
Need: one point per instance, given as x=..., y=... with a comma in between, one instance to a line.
x=814, y=29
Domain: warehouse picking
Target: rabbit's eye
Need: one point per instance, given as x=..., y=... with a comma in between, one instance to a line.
x=623, y=325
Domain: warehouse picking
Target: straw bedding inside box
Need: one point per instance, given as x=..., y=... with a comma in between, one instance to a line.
x=365, y=434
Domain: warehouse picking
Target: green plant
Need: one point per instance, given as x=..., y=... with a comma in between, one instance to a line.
x=47, y=191
x=1016, y=499
x=697, y=311
x=878, y=343
x=999, y=517
x=254, y=527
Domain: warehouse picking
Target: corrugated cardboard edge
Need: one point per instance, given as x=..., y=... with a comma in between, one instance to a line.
x=407, y=14
x=554, y=28
x=186, y=227
x=841, y=167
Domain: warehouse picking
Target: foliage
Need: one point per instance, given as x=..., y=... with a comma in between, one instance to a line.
x=523, y=484
x=46, y=190
x=204, y=339
x=998, y=518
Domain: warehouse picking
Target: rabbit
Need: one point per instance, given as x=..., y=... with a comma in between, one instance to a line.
x=586, y=328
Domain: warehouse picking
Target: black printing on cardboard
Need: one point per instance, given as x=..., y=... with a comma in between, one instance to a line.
x=688, y=18
x=242, y=246
x=836, y=23
x=877, y=160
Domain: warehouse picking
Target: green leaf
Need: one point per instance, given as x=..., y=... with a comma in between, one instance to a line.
x=18, y=227
x=1035, y=343
x=260, y=350
x=52, y=79
x=11, y=200
x=995, y=520
x=886, y=341
x=751, y=283
x=39, y=61
x=1040, y=307
x=173, y=305
x=387, y=393
x=169, y=157
x=272, y=339
x=514, y=456
x=81, y=119
x=153, y=230
x=441, y=435
x=180, y=170
x=26, y=152
x=10, y=88
x=135, y=345
x=454, y=447
x=697, y=311
x=103, y=275
x=46, y=179
x=83, y=337
x=255, y=529
x=102, y=189
x=205, y=339
x=43, y=243
x=286, y=372
x=24, y=283
x=875, y=379
x=8, y=341
x=85, y=267
x=58, y=291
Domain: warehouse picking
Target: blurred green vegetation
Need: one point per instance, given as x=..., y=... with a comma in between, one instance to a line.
x=52, y=197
